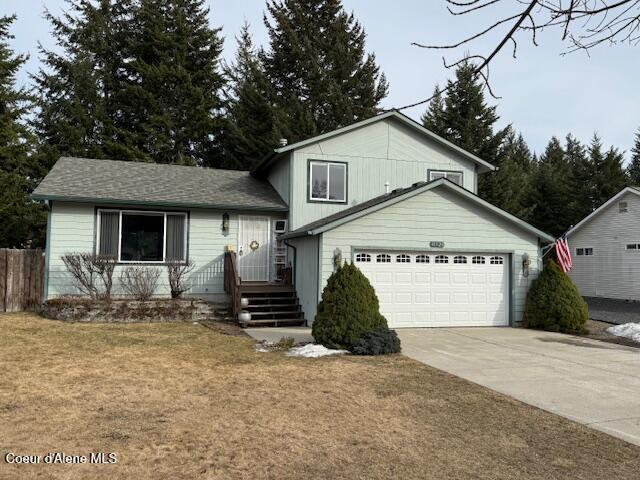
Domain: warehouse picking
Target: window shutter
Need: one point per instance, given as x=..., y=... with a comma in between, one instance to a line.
x=109, y=233
x=175, y=237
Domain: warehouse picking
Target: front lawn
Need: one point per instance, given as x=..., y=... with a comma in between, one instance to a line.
x=182, y=401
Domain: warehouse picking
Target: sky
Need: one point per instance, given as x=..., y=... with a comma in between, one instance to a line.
x=542, y=92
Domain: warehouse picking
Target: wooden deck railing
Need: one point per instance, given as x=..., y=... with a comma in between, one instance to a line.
x=232, y=281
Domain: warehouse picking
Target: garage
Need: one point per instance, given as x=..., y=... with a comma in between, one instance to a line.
x=438, y=289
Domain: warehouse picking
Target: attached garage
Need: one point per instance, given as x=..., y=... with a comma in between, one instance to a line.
x=436, y=254
x=433, y=289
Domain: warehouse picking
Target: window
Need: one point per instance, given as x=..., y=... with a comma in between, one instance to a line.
x=141, y=236
x=328, y=182
x=496, y=260
x=383, y=258
x=477, y=260
x=403, y=259
x=633, y=246
x=455, y=177
x=363, y=257
x=422, y=258
x=587, y=251
x=459, y=259
x=623, y=207
x=442, y=259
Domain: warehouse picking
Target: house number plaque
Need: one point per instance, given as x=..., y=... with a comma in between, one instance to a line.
x=436, y=244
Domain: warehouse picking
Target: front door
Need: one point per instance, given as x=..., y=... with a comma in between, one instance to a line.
x=254, y=245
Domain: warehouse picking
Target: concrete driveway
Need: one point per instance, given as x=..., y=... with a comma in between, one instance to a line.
x=590, y=382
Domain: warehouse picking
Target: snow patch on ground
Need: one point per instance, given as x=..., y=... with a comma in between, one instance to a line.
x=627, y=330
x=312, y=350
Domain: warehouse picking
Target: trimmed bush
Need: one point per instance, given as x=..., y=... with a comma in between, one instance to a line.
x=349, y=307
x=554, y=303
x=380, y=341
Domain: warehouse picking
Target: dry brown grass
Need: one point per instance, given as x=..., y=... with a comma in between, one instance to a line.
x=182, y=401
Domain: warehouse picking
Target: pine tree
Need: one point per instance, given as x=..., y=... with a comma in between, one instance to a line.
x=251, y=130
x=434, y=118
x=633, y=170
x=173, y=98
x=551, y=192
x=580, y=180
x=608, y=176
x=21, y=220
x=318, y=67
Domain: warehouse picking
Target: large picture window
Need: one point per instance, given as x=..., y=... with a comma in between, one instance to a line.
x=328, y=182
x=141, y=236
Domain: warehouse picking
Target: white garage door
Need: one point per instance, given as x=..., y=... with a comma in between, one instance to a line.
x=437, y=289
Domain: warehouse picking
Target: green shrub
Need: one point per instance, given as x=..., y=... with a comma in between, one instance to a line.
x=349, y=307
x=379, y=341
x=554, y=303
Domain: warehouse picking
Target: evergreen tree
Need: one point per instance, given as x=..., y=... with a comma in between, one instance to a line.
x=608, y=174
x=633, y=171
x=136, y=80
x=551, y=190
x=318, y=67
x=434, y=118
x=251, y=130
x=580, y=180
x=21, y=219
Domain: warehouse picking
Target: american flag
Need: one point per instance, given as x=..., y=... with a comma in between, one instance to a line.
x=563, y=254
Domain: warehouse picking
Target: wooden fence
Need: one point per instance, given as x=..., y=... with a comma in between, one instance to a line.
x=21, y=279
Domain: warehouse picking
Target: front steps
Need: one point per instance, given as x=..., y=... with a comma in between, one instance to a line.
x=271, y=305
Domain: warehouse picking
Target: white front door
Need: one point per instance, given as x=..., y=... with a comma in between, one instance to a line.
x=254, y=245
x=434, y=289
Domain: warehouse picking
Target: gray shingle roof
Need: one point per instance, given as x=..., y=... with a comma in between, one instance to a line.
x=112, y=181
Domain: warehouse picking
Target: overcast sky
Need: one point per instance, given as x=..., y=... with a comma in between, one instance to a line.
x=543, y=93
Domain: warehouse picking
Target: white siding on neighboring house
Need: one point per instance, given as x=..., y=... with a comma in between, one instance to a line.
x=612, y=271
x=384, y=151
x=437, y=215
x=73, y=230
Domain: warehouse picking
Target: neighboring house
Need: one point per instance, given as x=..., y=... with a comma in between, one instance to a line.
x=605, y=248
x=384, y=193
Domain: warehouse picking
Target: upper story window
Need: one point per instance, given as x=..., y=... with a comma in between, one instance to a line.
x=455, y=177
x=327, y=182
x=633, y=246
x=623, y=207
x=586, y=251
x=142, y=236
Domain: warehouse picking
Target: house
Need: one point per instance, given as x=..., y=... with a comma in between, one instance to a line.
x=385, y=193
x=605, y=248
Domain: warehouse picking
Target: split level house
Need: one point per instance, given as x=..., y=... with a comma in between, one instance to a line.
x=605, y=248
x=385, y=193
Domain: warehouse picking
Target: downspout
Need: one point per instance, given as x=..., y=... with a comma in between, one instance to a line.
x=47, y=249
x=293, y=269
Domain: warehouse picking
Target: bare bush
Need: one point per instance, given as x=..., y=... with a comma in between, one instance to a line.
x=177, y=273
x=92, y=274
x=140, y=282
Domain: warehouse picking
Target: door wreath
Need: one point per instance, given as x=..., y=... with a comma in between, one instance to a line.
x=254, y=245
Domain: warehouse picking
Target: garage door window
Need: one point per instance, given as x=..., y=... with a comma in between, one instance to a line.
x=422, y=259
x=363, y=257
x=477, y=260
x=459, y=259
x=442, y=259
x=496, y=261
x=383, y=258
x=403, y=259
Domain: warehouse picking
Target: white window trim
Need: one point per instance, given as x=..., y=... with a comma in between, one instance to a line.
x=164, y=234
x=328, y=165
x=445, y=174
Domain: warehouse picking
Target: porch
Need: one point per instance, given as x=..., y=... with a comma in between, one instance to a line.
x=261, y=303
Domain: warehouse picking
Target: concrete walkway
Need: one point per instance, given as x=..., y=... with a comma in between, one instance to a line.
x=590, y=382
x=613, y=311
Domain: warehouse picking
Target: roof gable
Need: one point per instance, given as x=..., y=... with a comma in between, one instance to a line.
x=603, y=207
x=137, y=183
x=278, y=153
x=377, y=203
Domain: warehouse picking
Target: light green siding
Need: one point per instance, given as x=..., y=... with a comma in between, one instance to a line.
x=436, y=215
x=307, y=274
x=72, y=229
x=280, y=179
x=384, y=151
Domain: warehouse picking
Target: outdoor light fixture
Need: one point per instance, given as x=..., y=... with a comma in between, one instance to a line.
x=225, y=224
x=337, y=258
x=526, y=262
